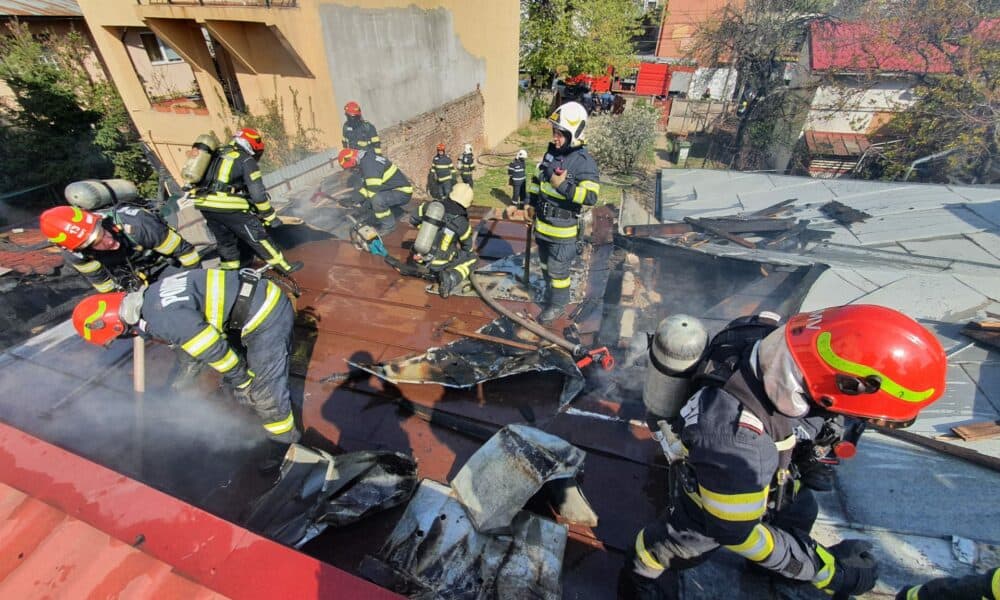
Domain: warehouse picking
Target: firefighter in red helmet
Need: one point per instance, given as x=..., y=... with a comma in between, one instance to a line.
x=384, y=186
x=765, y=391
x=236, y=206
x=441, y=177
x=358, y=133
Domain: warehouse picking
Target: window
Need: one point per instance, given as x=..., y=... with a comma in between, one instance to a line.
x=158, y=51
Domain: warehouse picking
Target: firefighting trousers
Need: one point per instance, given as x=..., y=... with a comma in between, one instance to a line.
x=384, y=201
x=677, y=540
x=232, y=228
x=517, y=194
x=452, y=274
x=268, y=348
x=467, y=178
x=556, y=259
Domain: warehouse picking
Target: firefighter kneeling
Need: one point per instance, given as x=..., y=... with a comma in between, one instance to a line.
x=444, y=239
x=197, y=310
x=764, y=391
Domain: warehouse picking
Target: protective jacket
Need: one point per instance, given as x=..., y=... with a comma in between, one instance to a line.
x=466, y=165
x=985, y=585
x=557, y=210
x=144, y=241
x=454, y=234
x=380, y=174
x=233, y=183
x=442, y=174
x=516, y=172
x=361, y=135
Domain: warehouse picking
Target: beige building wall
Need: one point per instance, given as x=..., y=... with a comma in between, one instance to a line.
x=285, y=55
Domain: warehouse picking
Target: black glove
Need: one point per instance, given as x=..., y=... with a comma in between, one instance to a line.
x=856, y=569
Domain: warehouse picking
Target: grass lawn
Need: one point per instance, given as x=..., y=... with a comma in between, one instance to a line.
x=490, y=182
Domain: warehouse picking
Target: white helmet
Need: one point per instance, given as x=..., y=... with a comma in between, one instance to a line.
x=468, y=148
x=522, y=153
x=571, y=118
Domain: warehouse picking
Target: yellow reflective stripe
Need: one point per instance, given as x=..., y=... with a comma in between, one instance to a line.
x=548, y=190
x=468, y=232
x=913, y=593
x=263, y=206
x=825, y=574
x=108, y=285
x=378, y=151
x=229, y=265
x=197, y=345
x=561, y=284
x=373, y=181
x=465, y=267
x=366, y=193
x=246, y=384
x=215, y=297
x=758, y=545
x=448, y=178
x=553, y=231
x=387, y=175
x=97, y=314
x=190, y=259
x=406, y=189
x=275, y=255
x=283, y=426
x=996, y=584
x=446, y=240
x=734, y=507
x=226, y=363
x=222, y=200
x=169, y=243
x=87, y=267
x=270, y=301
x=255, y=176
x=580, y=195
x=644, y=555
x=383, y=214
x=533, y=187
x=226, y=170
x=374, y=139
x=362, y=144
x=888, y=386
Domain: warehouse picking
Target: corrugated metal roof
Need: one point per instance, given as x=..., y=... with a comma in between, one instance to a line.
x=40, y=8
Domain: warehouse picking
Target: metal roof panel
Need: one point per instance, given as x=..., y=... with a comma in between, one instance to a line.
x=40, y=8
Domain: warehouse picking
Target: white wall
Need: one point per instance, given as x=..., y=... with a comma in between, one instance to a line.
x=849, y=104
x=720, y=82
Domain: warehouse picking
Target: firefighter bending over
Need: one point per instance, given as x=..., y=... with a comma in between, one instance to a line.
x=198, y=311
x=567, y=181
x=120, y=249
x=767, y=389
x=384, y=186
x=232, y=199
x=444, y=239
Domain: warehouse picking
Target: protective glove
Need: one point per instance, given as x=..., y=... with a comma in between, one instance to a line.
x=242, y=391
x=272, y=221
x=558, y=177
x=855, y=568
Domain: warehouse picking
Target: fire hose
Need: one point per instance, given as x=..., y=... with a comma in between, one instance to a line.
x=583, y=355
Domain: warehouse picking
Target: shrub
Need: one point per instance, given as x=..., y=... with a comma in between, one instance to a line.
x=619, y=143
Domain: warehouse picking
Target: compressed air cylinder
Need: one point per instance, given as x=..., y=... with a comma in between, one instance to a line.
x=92, y=194
x=674, y=351
x=199, y=158
x=429, y=226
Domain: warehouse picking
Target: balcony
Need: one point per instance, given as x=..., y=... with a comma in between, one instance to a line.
x=239, y=3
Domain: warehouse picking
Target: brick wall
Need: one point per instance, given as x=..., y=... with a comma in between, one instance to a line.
x=411, y=144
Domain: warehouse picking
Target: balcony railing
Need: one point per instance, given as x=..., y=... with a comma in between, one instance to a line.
x=241, y=3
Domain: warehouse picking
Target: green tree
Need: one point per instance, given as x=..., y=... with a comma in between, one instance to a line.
x=619, y=143
x=569, y=38
x=65, y=124
x=282, y=147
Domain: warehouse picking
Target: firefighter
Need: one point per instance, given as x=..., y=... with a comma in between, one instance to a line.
x=765, y=389
x=358, y=133
x=567, y=180
x=440, y=178
x=199, y=310
x=466, y=165
x=236, y=207
x=384, y=186
x=516, y=176
x=121, y=250
x=970, y=587
x=449, y=238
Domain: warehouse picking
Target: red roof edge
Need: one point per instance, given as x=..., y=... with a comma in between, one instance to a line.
x=215, y=553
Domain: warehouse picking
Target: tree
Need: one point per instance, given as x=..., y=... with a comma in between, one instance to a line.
x=757, y=39
x=620, y=142
x=957, y=111
x=65, y=124
x=570, y=38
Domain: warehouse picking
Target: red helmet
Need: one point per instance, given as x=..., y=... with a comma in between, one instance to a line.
x=96, y=318
x=867, y=361
x=440, y=147
x=70, y=227
x=252, y=138
x=352, y=109
x=348, y=158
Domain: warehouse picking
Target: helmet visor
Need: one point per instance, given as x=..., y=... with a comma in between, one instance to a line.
x=783, y=380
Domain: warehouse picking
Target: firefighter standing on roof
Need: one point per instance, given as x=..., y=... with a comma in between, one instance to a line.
x=358, y=133
x=466, y=165
x=768, y=389
x=449, y=238
x=567, y=180
x=384, y=186
x=441, y=176
x=232, y=198
x=119, y=250
x=198, y=310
